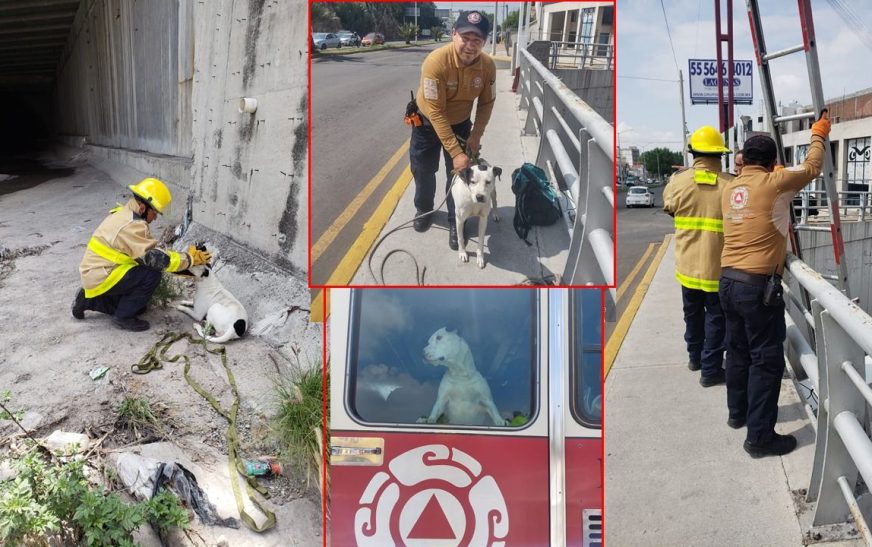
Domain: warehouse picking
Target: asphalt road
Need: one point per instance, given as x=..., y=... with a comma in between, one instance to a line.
x=637, y=228
x=358, y=103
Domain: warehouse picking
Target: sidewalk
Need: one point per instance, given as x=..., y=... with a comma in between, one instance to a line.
x=676, y=474
x=508, y=260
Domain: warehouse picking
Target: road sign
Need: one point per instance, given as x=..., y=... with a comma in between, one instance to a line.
x=704, y=81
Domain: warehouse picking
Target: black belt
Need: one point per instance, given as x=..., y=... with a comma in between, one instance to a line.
x=744, y=277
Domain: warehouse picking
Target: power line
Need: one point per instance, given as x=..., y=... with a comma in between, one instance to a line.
x=669, y=33
x=649, y=79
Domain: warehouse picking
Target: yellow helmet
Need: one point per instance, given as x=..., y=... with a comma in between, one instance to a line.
x=707, y=140
x=153, y=192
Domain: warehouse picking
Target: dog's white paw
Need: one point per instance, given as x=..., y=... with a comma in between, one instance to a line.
x=188, y=303
x=464, y=256
x=479, y=259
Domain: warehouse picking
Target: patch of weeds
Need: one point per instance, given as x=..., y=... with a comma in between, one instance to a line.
x=298, y=424
x=167, y=290
x=137, y=416
x=51, y=502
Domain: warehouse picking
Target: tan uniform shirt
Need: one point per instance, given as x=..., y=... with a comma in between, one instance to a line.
x=693, y=197
x=125, y=232
x=448, y=90
x=756, y=207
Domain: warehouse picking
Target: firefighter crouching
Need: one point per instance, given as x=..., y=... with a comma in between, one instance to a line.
x=693, y=198
x=756, y=208
x=122, y=265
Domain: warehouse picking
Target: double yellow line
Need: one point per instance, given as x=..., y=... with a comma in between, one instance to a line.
x=613, y=345
x=352, y=260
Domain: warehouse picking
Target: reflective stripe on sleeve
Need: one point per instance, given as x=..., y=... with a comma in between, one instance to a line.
x=175, y=261
x=699, y=223
x=707, y=285
x=705, y=177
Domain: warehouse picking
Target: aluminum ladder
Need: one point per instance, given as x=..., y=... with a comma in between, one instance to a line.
x=808, y=46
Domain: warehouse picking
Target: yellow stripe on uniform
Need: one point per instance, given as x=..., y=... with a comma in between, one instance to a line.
x=699, y=223
x=707, y=285
x=125, y=263
x=175, y=261
x=701, y=176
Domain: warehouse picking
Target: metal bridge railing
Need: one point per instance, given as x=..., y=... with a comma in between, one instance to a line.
x=579, y=55
x=576, y=149
x=854, y=206
x=842, y=338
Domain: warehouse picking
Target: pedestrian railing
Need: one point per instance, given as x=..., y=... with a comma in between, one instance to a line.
x=841, y=335
x=579, y=55
x=576, y=149
x=853, y=206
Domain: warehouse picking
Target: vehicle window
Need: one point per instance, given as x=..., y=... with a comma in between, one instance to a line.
x=319, y=35
x=586, y=355
x=462, y=357
x=638, y=190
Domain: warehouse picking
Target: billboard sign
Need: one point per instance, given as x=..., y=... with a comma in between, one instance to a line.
x=704, y=81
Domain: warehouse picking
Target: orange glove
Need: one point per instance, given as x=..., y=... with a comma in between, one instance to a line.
x=821, y=128
x=198, y=257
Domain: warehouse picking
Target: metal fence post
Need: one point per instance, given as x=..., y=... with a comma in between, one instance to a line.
x=822, y=416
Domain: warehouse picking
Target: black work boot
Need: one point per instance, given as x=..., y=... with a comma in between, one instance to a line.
x=422, y=223
x=694, y=365
x=778, y=445
x=736, y=423
x=79, y=305
x=134, y=324
x=452, y=235
x=709, y=381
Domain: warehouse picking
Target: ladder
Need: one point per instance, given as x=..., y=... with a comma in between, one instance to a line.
x=809, y=46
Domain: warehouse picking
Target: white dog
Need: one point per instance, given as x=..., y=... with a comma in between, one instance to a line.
x=464, y=396
x=475, y=194
x=216, y=305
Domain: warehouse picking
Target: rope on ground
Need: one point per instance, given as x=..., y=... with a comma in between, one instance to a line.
x=419, y=271
x=154, y=359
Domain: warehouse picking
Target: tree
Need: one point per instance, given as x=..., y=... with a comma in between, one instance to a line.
x=511, y=21
x=437, y=33
x=323, y=18
x=408, y=32
x=659, y=161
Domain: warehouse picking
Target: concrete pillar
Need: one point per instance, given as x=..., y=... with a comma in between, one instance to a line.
x=565, y=25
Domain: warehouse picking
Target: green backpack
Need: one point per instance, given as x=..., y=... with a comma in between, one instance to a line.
x=536, y=202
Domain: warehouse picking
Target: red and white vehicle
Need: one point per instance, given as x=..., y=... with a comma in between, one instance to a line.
x=398, y=478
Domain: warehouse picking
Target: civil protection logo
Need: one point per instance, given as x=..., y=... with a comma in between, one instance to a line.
x=739, y=197
x=432, y=495
x=474, y=17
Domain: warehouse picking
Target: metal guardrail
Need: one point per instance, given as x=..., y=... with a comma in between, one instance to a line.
x=842, y=335
x=853, y=205
x=579, y=55
x=576, y=149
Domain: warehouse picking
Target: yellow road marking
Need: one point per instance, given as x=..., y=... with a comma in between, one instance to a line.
x=349, y=264
x=623, y=325
x=342, y=220
x=638, y=267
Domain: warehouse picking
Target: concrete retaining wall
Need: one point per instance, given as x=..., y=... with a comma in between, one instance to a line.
x=817, y=251
x=156, y=86
x=594, y=86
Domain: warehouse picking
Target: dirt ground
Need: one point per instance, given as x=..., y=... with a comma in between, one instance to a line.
x=46, y=218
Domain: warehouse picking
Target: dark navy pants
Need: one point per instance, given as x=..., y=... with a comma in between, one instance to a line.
x=704, y=330
x=755, y=357
x=424, y=150
x=129, y=296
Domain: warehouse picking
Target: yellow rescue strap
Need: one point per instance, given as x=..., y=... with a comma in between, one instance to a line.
x=154, y=360
x=124, y=264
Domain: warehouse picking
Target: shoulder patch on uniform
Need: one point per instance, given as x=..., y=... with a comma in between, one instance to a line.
x=431, y=89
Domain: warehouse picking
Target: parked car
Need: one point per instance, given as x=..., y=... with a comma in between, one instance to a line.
x=348, y=38
x=373, y=39
x=639, y=196
x=323, y=40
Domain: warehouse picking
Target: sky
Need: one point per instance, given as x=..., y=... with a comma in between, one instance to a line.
x=649, y=110
x=483, y=6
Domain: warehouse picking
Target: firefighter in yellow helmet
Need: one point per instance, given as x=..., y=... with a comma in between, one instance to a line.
x=122, y=265
x=693, y=198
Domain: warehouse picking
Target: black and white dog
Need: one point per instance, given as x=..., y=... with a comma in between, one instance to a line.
x=464, y=395
x=475, y=194
x=216, y=305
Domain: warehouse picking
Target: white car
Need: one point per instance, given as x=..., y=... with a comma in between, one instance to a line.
x=323, y=40
x=639, y=196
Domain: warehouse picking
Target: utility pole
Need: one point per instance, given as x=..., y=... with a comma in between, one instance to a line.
x=416, y=23
x=683, y=120
x=494, y=30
